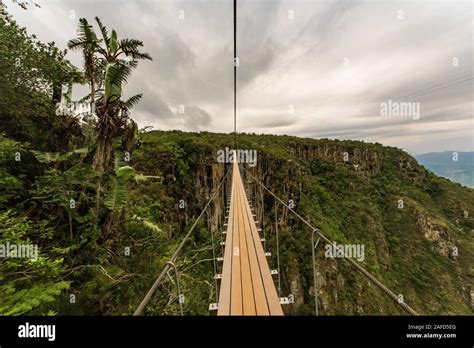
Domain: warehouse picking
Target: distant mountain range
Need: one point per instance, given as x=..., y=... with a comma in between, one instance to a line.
x=455, y=166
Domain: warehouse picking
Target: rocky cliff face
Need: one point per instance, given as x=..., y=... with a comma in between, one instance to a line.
x=439, y=236
x=364, y=161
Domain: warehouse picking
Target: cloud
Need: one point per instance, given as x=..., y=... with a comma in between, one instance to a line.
x=333, y=62
x=194, y=118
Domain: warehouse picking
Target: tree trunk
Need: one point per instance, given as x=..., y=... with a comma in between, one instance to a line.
x=57, y=92
x=103, y=154
x=92, y=96
x=101, y=165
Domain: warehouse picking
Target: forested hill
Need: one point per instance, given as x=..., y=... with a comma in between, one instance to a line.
x=106, y=204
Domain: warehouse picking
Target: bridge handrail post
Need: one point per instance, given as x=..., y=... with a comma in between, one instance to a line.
x=315, y=285
x=172, y=265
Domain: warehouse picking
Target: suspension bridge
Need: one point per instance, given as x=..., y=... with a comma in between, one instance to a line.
x=247, y=286
x=246, y=283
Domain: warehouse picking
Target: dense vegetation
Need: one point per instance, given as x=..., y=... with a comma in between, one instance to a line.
x=104, y=200
x=64, y=178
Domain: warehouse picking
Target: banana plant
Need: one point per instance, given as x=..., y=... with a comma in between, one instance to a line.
x=108, y=63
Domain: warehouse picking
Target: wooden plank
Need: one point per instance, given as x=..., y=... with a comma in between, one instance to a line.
x=247, y=286
x=270, y=291
x=236, y=307
x=271, y=295
x=261, y=306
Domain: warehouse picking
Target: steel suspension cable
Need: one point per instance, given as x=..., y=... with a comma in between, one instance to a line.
x=235, y=71
x=278, y=248
x=168, y=266
x=361, y=269
x=214, y=261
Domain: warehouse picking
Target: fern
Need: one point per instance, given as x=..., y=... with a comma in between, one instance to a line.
x=46, y=157
x=141, y=177
x=148, y=224
x=26, y=301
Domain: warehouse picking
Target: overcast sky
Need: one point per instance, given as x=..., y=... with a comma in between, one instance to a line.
x=307, y=68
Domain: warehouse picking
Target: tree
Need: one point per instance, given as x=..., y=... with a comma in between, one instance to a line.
x=32, y=74
x=108, y=61
x=88, y=42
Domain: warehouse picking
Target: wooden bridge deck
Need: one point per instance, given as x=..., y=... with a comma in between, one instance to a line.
x=247, y=287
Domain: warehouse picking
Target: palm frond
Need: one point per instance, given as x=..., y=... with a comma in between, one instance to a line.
x=132, y=101
x=130, y=44
x=86, y=30
x=118, y=73
x=86, y=36
x=48, y=157
x=140, y=55
x=75, y=44
x=103, y=30
x=130, y=47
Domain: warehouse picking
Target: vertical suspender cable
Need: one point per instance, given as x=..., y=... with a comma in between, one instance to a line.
x=278, y=248
x=235, y=72
x=214, y=259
